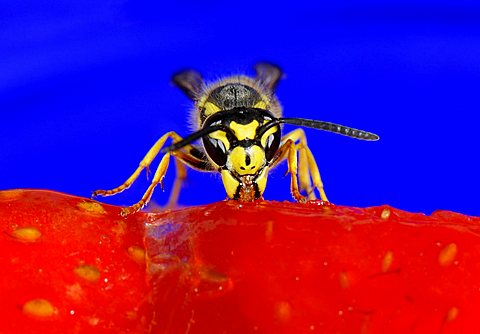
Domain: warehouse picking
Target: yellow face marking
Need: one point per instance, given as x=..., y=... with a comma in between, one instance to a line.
x=210, y=108
x=244, y=131
x=222, y=136
x=230, y=183
x=265, y=136
x=246, y=161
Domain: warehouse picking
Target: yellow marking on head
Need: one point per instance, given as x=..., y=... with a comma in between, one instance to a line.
x=222, y=136
x=244, y=131
x=210, y=108
x=265, y=136
x=246, y=161
x=230, y=183
x=261, y=105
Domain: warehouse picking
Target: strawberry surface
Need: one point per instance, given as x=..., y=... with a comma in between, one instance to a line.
x=317, y=268
x=70, y=265
x=73, y=265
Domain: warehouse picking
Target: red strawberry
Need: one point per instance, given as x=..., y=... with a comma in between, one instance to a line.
x=72, y=265
x=291, y=268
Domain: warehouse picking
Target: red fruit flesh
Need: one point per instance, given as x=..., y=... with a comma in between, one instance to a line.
x=290, y=268
x=72, y=265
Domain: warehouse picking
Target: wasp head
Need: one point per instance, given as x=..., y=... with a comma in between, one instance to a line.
x=241, y=150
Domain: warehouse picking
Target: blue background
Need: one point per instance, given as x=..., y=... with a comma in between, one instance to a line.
x=85, y=91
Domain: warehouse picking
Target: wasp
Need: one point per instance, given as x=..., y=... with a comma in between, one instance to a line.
x=238, y=120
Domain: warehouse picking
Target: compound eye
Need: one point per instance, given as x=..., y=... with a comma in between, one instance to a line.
x=216, y=150
x=272, y=144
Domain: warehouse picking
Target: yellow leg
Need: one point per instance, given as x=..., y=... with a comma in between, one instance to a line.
x=288, y=151
x=180, y=176
x=181, y=173
x=304, y=174
x=293, y=170
x=157, y=179
x=182, y=158
x=145, y=163
x=315, y=173
x=307, y=167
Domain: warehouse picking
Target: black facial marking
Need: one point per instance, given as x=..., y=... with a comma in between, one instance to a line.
x=216, y=150
x=273, y=143
x=247, y=159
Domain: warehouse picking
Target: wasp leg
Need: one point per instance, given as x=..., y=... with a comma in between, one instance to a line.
x=180, y=176
x=304, y=173
x=307, y=167
x=157, y=178
x=288, y=151
x=315, y=173
x=192, y=157
x=182, y=159
x=145, y=163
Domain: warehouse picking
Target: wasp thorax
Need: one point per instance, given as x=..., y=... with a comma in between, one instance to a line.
x=234, y=95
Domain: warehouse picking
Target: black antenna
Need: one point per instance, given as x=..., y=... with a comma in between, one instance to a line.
x=321, y=125
x=194, y=136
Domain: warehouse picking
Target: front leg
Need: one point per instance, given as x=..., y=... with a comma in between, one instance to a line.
x=306, y=170
x=189, y=155
x=288, y=151
x=157, y=179
x=145, y=163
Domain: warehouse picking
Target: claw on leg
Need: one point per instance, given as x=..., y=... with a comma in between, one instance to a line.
x=187, y=156
x=144, y=164
x=157, y=179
